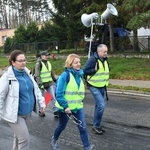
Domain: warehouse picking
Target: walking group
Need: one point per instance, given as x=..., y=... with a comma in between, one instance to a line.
x=21, y=93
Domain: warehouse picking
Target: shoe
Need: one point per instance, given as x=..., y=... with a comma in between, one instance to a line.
x=103, y=130
x=98, y=130
x=41, y=114
x=54, y=144
x=56, y=114
x=91, y=147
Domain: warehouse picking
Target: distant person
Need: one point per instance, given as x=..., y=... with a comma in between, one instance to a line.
x=96, y=71
x=45, y=78
x=70, y=94
x=19, y=96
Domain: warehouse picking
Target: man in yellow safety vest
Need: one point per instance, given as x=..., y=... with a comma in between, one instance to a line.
x=96, y=70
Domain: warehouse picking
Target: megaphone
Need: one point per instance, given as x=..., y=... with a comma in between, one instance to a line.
x=87, y=20
x=111, y=10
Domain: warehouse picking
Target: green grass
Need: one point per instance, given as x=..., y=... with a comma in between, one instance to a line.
x=146, y=90
x=121, y=68
x=3, y=62
x=130, y=68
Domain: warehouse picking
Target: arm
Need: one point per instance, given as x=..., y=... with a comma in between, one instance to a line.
x=3, y=91
x=89, y=67
x=60, y=90
x=53, y=77
x=39, y=98
x=37, y=73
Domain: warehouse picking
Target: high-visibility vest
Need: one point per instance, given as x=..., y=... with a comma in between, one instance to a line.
x=45, y=73
x=73, y=95
x=101, y=77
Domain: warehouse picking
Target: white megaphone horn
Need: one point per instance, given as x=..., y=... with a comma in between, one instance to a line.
x=111, y=10
x=87, y=20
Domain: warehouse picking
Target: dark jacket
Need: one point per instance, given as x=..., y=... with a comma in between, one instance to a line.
x=89, y=67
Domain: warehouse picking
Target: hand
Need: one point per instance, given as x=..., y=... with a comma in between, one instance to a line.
x=67, y=110
x=42, y=110
x=41, y=86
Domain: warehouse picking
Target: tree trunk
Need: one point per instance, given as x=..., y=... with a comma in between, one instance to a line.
x=135, y=41
x=111, y=32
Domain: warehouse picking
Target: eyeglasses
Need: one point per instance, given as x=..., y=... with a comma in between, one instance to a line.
x=21, y=60
x=75, y=120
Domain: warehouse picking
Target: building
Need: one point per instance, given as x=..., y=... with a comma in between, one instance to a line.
x=4, y=33
x=143, y=38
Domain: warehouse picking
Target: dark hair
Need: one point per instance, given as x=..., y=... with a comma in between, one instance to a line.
x=13, y=56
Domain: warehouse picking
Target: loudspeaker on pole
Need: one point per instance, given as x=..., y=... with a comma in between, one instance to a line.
x=111, y=10
x=87, y=20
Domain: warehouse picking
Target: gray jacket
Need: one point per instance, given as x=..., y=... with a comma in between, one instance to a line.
x=9, y=95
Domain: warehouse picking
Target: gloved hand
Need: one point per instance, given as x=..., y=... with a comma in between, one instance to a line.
x=41, y=86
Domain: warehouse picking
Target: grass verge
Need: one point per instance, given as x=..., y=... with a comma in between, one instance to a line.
x=121, y=68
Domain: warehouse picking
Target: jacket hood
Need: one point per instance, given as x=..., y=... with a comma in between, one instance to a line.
x=95, y=54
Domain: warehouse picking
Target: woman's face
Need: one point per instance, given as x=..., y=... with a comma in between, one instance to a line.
x=76, y=64
x=20, y=62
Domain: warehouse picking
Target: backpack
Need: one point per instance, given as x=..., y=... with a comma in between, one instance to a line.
x=33, y=70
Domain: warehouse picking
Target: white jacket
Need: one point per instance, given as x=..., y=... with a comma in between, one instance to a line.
x=9, y=95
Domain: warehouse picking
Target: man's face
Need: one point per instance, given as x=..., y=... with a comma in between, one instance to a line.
x=103, y=52
x=44, y=57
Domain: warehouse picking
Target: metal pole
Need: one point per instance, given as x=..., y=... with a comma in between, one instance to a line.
x=90, y=38
x=148, y=43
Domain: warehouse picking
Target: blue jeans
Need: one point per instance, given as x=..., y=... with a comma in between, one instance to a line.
x=63, y=120
x=98, y=94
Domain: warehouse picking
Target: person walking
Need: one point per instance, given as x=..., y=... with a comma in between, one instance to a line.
x=70, y=94
x=19, y=96
x=96, y=70
x=44, y=77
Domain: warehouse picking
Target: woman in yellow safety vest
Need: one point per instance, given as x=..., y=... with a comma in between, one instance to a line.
x=70, y=94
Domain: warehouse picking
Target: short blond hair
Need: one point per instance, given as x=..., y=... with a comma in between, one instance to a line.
x=70, y=59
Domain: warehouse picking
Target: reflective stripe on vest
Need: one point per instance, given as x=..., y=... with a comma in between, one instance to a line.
x=101, y=77
x=45, y=73
x=73, y=94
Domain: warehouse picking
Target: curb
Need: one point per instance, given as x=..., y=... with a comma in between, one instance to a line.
x=132, y=93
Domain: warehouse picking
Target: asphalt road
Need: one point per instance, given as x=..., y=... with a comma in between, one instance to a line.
x=126, y=120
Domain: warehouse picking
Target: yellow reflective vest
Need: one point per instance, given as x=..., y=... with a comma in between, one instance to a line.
x=101, y=77
x=45, y=73
x=73, y=95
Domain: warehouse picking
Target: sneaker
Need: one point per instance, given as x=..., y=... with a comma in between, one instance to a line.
x=54, y=144
x=91, y=147
x=56, y=114
x=103, y=130
x=98, y=130
x=41, y=114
